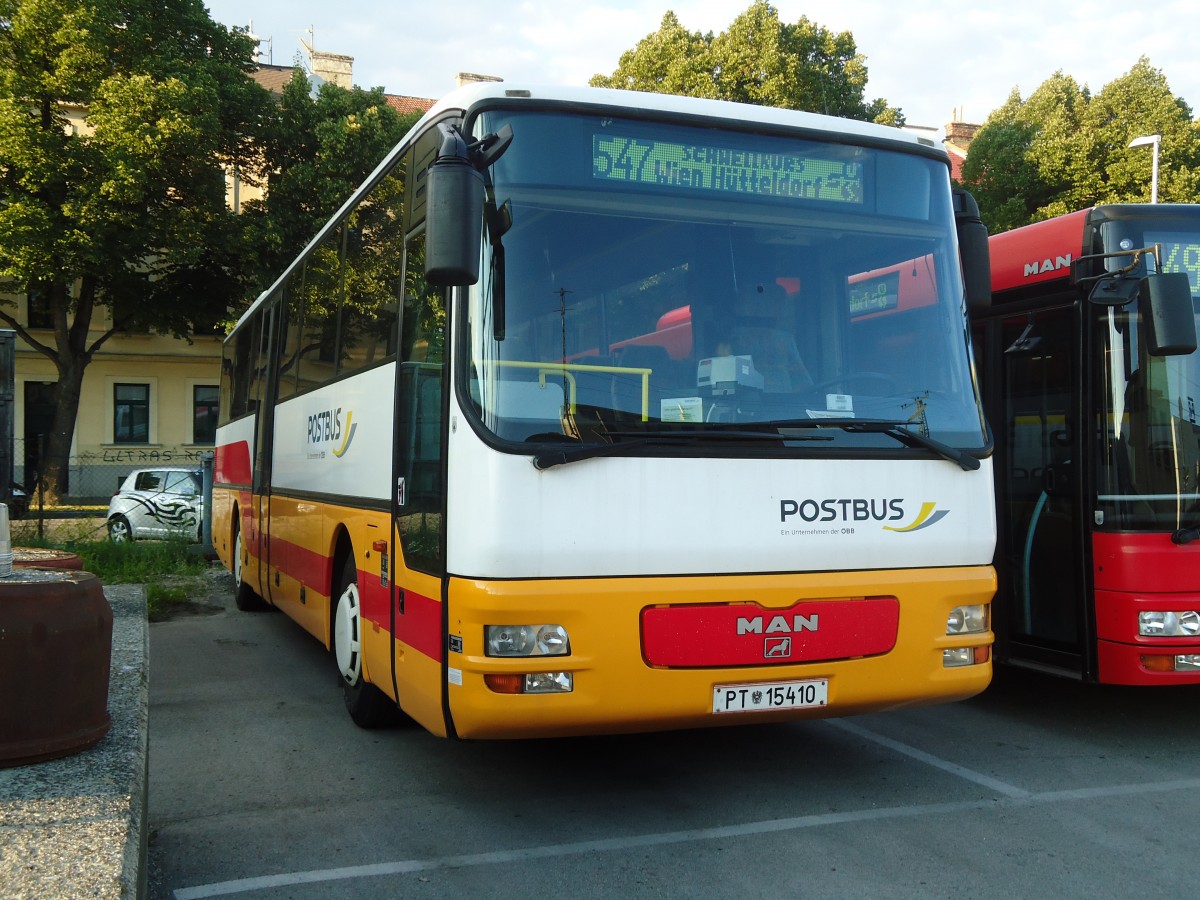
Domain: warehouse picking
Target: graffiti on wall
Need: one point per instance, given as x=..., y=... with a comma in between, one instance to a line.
x=153, y=455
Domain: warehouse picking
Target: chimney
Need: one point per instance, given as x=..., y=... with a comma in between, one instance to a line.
x=961, y=133
x=471, y=78
x=334, y=68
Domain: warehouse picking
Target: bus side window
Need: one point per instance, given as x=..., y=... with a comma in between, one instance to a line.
x=419, y=415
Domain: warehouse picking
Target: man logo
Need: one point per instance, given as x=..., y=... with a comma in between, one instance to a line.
x=777, y=648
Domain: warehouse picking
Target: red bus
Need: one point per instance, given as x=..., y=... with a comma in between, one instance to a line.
x=1090, y=376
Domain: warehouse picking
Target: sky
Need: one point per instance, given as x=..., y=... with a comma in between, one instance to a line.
x=937, y=61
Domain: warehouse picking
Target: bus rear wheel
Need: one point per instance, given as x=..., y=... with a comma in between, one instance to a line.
x=369, y=707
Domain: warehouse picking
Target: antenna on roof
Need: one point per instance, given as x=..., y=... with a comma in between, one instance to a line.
x=258, y=44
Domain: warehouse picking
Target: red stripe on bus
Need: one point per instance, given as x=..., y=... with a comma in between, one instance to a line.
x=232, y=463
x=418, y=619
x=419, y=625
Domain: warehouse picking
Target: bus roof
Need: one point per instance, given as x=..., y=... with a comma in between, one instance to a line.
x=735, y=113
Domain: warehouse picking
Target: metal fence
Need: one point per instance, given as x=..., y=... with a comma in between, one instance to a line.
x=92, y=478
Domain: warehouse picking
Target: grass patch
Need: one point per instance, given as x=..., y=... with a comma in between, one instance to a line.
x=160, y=596
x=140, y=562
x=172, y=571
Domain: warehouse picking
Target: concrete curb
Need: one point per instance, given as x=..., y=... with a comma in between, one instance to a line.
x=76, y=827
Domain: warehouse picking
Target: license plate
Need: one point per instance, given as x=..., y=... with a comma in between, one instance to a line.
x=735, y=698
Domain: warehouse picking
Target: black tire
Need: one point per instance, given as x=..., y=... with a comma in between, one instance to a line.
x=368, y=706
x=119, y=531
x=246, y=598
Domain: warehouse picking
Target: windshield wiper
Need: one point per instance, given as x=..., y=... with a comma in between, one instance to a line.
x=897, y=430
x=1185, y=535
x=892, y=429
x=770, y=430
x=635, y=439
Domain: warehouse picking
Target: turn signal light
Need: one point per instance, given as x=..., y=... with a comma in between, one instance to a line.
x=1165, y=662
x=531, y=683
x=504, y=684
x=965, y=656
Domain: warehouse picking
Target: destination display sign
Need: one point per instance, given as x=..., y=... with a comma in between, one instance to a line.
x=725, y=169
x=1181, y=253
x=872, y=295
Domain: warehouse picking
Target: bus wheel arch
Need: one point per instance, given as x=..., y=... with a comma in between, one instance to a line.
x=368, y=706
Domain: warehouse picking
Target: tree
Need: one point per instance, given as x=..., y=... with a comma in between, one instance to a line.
x=128, y=211
x=317, y=151
x=759, y=59
x=1064, y=149
x=1138, y=103
x=671, y=60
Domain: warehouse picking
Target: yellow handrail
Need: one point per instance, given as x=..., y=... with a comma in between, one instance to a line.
x=567, y=370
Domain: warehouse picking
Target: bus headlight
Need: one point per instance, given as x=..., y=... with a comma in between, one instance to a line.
x=526, y=640
x=1169, y=623
x=971, y=619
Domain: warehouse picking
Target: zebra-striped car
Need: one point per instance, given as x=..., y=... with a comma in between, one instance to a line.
x=159, y=503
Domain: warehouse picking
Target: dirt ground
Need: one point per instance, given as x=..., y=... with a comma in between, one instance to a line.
x=206, y=595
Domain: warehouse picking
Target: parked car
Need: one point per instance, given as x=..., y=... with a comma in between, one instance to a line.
x=18, y=501
x=166, y=502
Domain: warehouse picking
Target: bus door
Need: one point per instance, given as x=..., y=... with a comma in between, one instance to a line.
x=1041, y=542
x=264, y=429
x=419, y=498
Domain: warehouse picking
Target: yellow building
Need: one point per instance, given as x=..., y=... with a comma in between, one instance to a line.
x=146, y=399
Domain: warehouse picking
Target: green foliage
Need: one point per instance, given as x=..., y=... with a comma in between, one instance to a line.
x=1064, y=149
x=318, y=151
x=759, y=59
x=139, y=562
x=117, y=120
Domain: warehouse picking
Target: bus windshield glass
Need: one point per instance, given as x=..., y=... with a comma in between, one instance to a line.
x=1150, y=446
x=662, y=278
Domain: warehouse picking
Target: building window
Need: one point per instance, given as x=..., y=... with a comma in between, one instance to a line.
x=131, y=413
x=204, y=413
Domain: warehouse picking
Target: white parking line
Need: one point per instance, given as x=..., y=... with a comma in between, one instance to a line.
x=1012, y=797
x=994, y=784
x=749, y=829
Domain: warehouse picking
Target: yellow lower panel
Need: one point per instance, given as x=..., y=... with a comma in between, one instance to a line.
x=616, y=690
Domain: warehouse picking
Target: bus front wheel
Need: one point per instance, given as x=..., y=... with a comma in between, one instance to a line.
x=246, y=598
x=369, y=707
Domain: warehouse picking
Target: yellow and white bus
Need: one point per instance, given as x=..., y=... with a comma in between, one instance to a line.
x=594, y=411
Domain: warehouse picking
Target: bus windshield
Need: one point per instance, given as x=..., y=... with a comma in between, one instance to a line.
x=659, y=277
x=1150, y=443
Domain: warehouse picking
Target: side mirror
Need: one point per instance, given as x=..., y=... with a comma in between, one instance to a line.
x=1167, y=314
x=453, y=214
x=973, y=251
